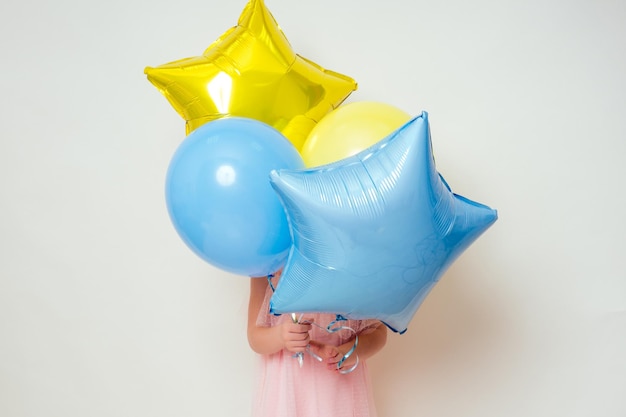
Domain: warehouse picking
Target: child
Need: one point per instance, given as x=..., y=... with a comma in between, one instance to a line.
x=288, y=387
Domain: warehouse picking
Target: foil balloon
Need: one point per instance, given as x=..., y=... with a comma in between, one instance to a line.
x=349, y=129
x=251, y=71
x=220, y=199
x=374, y=232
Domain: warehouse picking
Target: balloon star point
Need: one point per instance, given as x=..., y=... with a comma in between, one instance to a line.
x=251, y=71
x=374, y=232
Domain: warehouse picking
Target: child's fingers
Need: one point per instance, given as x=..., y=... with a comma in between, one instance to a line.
x=298, y=336
x=296, y=342
x=333, y=362
x=298, y=327
x=296, y=346
x=334, y=357
x=295, y=337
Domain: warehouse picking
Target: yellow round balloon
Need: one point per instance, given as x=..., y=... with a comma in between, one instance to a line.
x=251, y=71
x=349, y=129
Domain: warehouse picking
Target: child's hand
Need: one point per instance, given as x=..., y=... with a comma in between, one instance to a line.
x=331, y=355
x=295, y=336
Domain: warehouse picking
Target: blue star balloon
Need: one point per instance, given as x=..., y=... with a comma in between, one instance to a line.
x=374, y=232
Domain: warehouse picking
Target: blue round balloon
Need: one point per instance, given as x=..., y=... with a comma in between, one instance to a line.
x=220, y=199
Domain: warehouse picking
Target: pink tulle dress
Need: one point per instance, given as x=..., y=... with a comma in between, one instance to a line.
x=285, y=389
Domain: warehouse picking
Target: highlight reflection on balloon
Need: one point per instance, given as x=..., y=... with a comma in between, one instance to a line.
x=220, y=200
x=349, y=129
x=374, y=232
x=252, y=71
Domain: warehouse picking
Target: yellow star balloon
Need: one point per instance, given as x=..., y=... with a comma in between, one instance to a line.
x=251, y=71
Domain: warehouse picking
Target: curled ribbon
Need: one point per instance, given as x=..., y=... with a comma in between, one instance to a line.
x=331, y=329
x=349, y=353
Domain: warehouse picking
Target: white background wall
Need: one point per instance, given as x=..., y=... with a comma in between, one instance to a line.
x=105, y=312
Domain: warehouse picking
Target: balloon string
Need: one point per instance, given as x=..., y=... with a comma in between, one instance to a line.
x=300, y=355
x=349, y=353
x=330, y=329
x=269, y=281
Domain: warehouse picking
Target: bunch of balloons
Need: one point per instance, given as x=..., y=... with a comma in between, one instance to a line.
x=276, y=173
